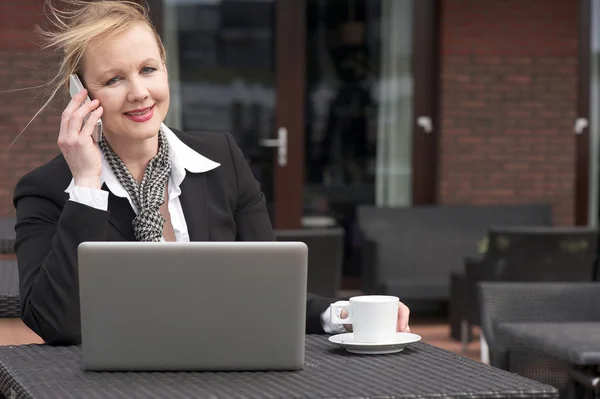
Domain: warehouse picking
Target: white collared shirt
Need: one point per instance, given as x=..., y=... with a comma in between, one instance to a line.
x=183, y=159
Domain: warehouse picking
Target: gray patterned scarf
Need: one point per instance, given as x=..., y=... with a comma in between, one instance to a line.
x=149, y=195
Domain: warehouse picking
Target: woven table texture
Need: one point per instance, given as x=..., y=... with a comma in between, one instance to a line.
x=420, y=371
x=9, y=289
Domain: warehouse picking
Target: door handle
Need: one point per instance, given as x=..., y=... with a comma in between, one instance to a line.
x=280, y=143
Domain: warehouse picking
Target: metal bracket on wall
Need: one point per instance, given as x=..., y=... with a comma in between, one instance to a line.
x=580, y=125
x=425, y=123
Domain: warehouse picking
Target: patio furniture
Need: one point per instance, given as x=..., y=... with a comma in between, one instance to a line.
x=577, y=343
x=420, y=371
x=7, y=235
x=522, y=253
x=325, y=256
x=412, y=251
x=9, y=289
x=517, y=302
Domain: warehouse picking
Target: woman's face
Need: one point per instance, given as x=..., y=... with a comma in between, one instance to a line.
x=126, y=74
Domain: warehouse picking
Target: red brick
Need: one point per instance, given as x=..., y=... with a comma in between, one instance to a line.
x=518, y=58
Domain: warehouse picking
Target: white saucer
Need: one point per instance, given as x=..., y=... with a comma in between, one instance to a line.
x=401, y=341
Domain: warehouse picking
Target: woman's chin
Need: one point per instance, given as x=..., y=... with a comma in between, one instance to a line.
x=142, y=131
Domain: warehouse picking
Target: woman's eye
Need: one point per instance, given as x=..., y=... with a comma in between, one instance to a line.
x=113, y=81
x=147, y=70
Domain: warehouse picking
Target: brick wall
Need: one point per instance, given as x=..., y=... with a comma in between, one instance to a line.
x=509, y=74
x=507, y=102
x=23, y=65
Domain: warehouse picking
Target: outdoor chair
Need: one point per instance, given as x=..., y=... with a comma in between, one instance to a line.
x=522, y=254
x=325, y=256
x=531, y=302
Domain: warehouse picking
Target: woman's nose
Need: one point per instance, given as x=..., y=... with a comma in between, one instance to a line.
x=137, y=91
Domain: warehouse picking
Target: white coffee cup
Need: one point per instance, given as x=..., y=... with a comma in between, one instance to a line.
x=373, y=317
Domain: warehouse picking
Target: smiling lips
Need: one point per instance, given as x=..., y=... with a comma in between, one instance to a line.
x=141, y=115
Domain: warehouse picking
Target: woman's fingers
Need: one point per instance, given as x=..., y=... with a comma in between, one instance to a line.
x=76, y=122
x=68, y=112
x=83, y=157
x=90, y=126
x=343, y=315
x=403, y=317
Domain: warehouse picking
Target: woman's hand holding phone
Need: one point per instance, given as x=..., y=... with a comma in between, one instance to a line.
x=76, y=142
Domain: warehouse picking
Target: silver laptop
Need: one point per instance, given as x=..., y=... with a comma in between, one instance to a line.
x=193, y=306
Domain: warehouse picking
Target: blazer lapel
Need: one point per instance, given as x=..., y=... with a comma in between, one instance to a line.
x=194, y=205
x=121, y=215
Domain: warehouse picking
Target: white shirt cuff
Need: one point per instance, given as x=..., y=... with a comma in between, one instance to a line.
x=92, y=197
x=328, y=326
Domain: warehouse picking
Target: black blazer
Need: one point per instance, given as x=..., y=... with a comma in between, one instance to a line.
x=223, y=204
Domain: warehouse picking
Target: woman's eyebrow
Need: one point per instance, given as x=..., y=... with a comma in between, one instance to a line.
x=117, y=70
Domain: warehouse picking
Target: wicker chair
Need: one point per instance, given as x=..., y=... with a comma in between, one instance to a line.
x=534, y=301
x=325, y=257
x=9, y=289
x=7, y=235
x=412, y=251
x=523, y=254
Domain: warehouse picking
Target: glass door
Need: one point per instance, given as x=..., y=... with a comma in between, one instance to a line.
x=234, y=66
x=370, y=94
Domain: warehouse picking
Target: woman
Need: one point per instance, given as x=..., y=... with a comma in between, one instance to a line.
x=142, y=181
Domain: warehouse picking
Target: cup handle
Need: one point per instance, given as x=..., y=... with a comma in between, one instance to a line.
x=334, y=314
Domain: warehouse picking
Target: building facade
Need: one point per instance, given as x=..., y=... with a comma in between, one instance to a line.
x=392, y=102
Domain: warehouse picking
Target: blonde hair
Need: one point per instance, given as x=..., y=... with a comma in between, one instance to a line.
x=74, y=25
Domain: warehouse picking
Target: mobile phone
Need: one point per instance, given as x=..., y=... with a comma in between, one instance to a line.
x=75, y=86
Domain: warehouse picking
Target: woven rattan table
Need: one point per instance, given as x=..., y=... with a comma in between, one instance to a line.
x=420, y=371
x=9, y=289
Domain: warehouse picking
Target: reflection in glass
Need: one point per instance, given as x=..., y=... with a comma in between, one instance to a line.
x=222, y=71
x=594, y=130
x=359, y=110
